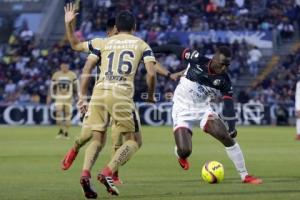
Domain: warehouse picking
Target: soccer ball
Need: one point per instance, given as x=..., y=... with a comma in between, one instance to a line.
x=213, y=172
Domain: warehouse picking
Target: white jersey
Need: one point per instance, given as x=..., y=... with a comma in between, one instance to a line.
x=192, y=104
x=193, y=95
x=297, y=96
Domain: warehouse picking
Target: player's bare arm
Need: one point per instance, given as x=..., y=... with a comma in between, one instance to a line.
x=162, y=70
x=151, y=80
x=178, y=50
x=85, y=78
x=70, y=15
x=175, y=76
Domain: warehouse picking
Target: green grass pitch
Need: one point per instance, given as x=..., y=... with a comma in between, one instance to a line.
x=30, y=166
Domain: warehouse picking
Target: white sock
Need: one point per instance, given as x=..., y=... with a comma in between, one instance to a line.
x=298, y=126
x=236, y=155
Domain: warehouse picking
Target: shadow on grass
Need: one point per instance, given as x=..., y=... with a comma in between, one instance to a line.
x=197, y=194
x=186, y=195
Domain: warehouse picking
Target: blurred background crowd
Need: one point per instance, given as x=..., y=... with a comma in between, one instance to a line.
x=27, y=63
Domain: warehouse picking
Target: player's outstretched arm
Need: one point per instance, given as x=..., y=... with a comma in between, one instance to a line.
x=177, y=75
x=70, y=15
x=162, y=70
x=151, y=80
x=85, y=78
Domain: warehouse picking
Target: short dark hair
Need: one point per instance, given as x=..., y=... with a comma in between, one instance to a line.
x=111, y=22
x=125, y=21
x=224, y=50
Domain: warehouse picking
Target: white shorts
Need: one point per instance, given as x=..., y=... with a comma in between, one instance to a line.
x=188, y=110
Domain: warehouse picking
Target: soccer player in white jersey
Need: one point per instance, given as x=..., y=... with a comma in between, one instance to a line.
x=202, y=82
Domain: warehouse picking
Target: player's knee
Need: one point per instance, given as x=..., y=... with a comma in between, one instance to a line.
x=68, y=122
x=224, y=136
x=217, y=129
x=225, y=139
x=58, y=114
x=58, y=122
x=98, y=144
x=82, y=140
x=210, y=127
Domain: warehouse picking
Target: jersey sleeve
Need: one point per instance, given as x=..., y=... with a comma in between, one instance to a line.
x=93, y=50
x=54, y=77
x=95, y=46
x=147, y=54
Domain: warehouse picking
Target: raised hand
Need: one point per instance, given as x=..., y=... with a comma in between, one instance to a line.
x=70, y=13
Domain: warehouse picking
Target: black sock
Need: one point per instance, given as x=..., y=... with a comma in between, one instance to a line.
x=60, y=131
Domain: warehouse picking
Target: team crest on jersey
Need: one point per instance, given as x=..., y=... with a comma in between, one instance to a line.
x=216, y=82
x=195, y=54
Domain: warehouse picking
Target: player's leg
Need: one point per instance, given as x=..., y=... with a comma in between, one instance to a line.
x=127, y=123
x=85, y=136
x=213, y=125
x=132, y=142
x=183, y=148
x=91, y=154
x=67, y=109
x=59, y=118
x=182, y=131
x=97, y=118
x=298, y=126
x=117, y=141
x=93, y=149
